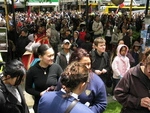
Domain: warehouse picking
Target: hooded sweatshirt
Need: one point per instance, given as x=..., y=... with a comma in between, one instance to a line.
x=120, y=64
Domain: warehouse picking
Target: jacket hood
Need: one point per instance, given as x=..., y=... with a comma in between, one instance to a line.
x=119, y=47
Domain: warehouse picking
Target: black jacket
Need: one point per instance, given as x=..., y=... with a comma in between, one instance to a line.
x=9, y=103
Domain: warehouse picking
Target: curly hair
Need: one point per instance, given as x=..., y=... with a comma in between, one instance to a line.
x=74, y=74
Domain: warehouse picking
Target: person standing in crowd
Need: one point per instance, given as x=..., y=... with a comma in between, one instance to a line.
x=76, y=39
x=132, y=91
x=11, y=96
x=136, y=52
x=54, y=38
x=120, y=65
x=22, y=42
x=64, y=31
x=100, y=59
x=127, y=38
x=87, y=45
x=74, y=80
x=95, y=93
x=40, y=35
x=97, y=27
x=108, y=31
x=43, y=76
x=63, y=56
x=115, y=38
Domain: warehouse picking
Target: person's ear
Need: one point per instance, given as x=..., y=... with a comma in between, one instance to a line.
x=82, y=86
x=40, y=57
x=8, y=76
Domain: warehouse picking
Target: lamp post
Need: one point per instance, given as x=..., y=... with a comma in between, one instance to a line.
x=131, y=9
x=147, y=7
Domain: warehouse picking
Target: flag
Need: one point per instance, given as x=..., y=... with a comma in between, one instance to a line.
x=29, y=11
x=121, y=5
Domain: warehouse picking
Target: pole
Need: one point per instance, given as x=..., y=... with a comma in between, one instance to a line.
x=131, y=10
x=147, y=7
x=80, y=5
x=87, y=11
x=6, y=14
x=14, y=20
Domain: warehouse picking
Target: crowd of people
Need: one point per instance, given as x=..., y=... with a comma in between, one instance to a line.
x=68, y=61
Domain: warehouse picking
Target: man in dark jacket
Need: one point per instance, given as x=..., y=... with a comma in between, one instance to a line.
x=133, y=90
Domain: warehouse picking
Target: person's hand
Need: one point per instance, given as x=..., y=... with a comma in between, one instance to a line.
x=48, y=89
x=149, y=108
x=43, y=92
x=145, y=102
x=104, y=71
x=121, y=76
x=98, y=72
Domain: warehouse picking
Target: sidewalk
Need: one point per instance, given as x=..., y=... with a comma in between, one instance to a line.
x=29, y=101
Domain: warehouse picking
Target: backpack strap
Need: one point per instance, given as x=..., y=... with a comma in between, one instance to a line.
x=70, y=107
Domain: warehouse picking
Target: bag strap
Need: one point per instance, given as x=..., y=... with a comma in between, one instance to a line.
x=70, y=107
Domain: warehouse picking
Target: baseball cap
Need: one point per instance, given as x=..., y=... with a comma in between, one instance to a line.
x=66, y=41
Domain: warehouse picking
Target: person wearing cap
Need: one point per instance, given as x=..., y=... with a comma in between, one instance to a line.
x=135, y=52
x=63, y=56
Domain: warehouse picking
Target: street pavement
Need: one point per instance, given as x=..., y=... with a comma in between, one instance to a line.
x=29, y=101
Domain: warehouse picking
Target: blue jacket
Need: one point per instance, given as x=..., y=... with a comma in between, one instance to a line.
x=94, y=94
x=54, y=102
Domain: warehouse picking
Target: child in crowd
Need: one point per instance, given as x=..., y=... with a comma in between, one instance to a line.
x=120, y=64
